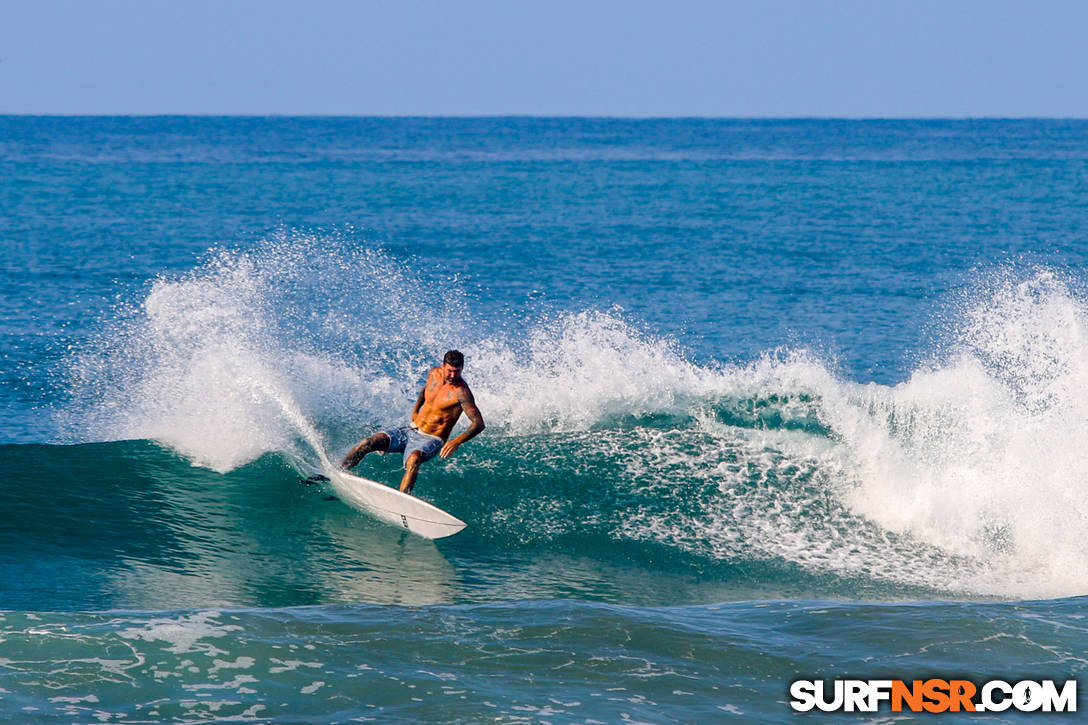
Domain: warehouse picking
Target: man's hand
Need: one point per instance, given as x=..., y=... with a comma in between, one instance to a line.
x=449, y=448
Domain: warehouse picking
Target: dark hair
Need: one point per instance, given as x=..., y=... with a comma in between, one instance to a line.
x=454, y=358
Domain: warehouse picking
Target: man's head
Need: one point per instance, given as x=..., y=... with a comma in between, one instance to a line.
x=452, y=364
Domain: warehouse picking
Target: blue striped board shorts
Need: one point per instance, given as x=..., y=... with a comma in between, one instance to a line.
x=410, y=439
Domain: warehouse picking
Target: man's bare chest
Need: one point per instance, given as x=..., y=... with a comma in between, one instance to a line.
x=441, y=396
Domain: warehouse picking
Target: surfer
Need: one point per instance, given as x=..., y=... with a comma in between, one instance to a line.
x=444, y=397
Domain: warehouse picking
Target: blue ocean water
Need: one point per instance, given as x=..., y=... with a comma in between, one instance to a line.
x=766, y=400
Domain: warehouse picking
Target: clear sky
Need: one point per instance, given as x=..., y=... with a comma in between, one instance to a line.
x=849, y=58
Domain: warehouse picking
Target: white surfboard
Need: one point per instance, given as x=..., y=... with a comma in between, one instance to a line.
x=394, y=507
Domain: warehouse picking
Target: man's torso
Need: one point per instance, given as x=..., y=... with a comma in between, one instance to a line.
x=441, y=405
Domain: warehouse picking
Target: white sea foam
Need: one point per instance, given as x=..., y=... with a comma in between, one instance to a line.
x=972, y=475
x=186, y=633
x=575, y=370
x=969, y=475
x=982, y=454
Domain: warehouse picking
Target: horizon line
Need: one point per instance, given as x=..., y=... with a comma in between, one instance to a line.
x=608, y=117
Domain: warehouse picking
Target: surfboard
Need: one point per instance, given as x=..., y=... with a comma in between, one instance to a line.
x=393, y=507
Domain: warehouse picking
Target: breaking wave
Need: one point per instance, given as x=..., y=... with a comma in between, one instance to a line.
x=967, y=477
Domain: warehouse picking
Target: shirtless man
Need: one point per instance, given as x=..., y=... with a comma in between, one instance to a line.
x=443, y=398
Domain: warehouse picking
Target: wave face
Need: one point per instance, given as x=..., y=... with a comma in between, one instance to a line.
x=608, y=449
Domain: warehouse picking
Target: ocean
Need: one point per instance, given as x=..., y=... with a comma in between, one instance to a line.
x=766, y=401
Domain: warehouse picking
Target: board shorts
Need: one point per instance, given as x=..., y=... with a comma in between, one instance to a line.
x=410, y=439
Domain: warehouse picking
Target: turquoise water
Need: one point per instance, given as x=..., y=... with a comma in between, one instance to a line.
x=766, y=400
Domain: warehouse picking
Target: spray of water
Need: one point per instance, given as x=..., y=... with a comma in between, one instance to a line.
x=969, y=475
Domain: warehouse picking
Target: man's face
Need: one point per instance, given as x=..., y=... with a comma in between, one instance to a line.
x=450, y=374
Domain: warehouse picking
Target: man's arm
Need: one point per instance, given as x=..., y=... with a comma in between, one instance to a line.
x=422, y=394
x=419, y=401
x=468, y=406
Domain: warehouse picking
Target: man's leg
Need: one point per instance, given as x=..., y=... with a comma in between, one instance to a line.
x=411, y=470
x=376, y=442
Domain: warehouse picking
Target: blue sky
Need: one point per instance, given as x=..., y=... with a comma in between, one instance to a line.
x=924, y=58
